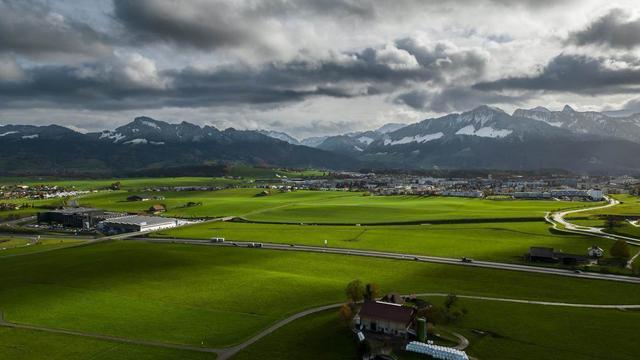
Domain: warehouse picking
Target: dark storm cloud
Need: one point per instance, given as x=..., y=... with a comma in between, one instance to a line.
x=134, y=82
x=216, y=24
x=33, y=29
x=453, y=99
x=197, y=24
x=616, y=29
x=578, y=74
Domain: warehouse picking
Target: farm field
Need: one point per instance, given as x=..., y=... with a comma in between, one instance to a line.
x=327, y=206
x=629, y=205
x=22, y=344
x=557, y=332
x=16, y=245
x=516, y=336
x=388, y=209
x=502, y=241
x=220, y=296
x=304, y=339
x=31, y=208
x=231, y=202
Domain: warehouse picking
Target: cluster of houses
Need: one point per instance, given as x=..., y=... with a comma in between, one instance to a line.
x=589, y=188
x=36, y=192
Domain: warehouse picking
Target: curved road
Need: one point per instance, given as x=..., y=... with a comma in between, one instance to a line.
x=558, y=218
x=226, y=353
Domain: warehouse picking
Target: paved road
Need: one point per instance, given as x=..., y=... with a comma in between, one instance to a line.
x=401, y=256
x=558, y=218
x=226, y=353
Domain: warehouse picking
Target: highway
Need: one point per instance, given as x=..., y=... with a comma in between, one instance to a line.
x=400, y=256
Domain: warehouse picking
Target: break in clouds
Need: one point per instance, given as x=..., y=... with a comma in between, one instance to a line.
x=308, y=65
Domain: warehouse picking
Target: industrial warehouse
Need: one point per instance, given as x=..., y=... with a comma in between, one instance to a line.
x=89, y=219
x=136, y=223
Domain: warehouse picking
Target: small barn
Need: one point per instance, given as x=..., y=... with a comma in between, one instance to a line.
x=386, y=318
x=157, y=208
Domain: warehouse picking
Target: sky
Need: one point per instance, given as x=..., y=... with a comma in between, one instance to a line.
x=310, y=67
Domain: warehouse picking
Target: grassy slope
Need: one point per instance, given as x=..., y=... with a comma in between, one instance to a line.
x=194, y=294
x=43, y=245
x=318, y=336
x=506, y=241
x=514, y=331
x=551, y=333
x=19, y=344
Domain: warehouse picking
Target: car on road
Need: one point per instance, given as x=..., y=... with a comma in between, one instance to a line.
x=216, y=240
x=466, y=260
x=254, y=245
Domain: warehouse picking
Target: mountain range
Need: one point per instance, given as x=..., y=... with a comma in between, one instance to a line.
x=483, y=138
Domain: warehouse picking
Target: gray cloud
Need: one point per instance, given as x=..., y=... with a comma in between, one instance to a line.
x=616, y=29
x=213, y=24
x=198, y=24
x=578, y=74
x=33, y=29
x=453, y=99
x=133, y=81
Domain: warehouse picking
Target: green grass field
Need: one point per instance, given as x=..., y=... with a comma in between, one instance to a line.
x=531, y=332
x=19, y=246
x=505, y=241
x=385, y=209
x=219, y=296
x=510, y=332
x=629, y=205
x=319, y=336
x=20, y=344
x=327, y=206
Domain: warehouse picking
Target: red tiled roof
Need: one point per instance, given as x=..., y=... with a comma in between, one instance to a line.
x=386, y=311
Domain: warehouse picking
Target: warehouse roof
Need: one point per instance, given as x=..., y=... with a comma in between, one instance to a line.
x=140, y=220
x=73, y=210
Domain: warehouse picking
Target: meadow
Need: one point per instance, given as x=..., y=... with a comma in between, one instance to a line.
x=219, y=296
x=360, y=209
x=22, y=344
x=629, y=205
x=327, y=207
x=501, y=241
x=509, y=331
x=10, y=246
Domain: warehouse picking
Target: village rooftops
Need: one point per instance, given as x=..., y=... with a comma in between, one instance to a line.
x=386, y=311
